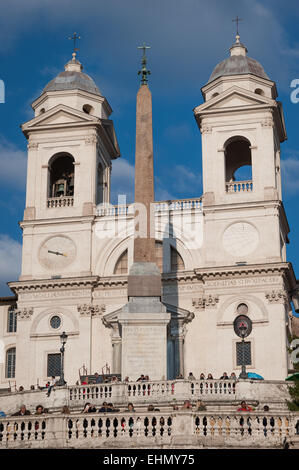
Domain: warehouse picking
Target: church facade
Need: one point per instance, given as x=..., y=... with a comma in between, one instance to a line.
x=220, y=255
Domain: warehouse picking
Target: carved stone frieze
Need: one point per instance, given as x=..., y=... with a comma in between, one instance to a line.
x=93, y=310
x=276, y=296
x=24, y=313
x=207, y=301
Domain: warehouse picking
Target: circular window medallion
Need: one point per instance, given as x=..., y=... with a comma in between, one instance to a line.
x=240, y=239
x=242, y=309
x=55, y=322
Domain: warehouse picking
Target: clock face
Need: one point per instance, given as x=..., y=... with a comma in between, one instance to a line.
x=240, y=239
x=57, y=252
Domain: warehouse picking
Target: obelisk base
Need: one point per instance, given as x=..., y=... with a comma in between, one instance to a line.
x=144, y=338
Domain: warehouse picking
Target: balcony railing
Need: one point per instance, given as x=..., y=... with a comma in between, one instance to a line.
x=239, y=187
x=144, y=429
x=63, y=201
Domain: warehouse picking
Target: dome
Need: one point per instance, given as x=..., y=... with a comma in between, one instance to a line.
x=238, y=63
x=73, y=79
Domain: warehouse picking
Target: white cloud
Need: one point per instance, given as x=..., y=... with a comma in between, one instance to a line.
x=290, y=175
x=10, y=262
x=13, y=165
x=122, y=180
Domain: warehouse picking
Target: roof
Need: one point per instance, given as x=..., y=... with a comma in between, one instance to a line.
x=236, y=65
x=72, y=80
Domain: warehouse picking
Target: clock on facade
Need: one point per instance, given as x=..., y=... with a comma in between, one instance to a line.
x=240, y=239
x=57, y=252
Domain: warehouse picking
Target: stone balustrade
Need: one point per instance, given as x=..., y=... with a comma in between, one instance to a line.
x=149, y=429
x=160, y=393
x=160, y=206
x=63, y=201
x=239, y=186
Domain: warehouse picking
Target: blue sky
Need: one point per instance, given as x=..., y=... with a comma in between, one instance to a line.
x=188, y=38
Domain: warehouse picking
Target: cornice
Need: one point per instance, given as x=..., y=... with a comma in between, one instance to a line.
x=234, y=271
x=51, y=284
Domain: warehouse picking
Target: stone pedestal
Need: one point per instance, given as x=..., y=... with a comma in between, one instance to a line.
x=144, y=338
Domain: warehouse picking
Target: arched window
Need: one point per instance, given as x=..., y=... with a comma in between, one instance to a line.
x=121, y=266
x=87, y=108
x=61, y=169
x=238, y=165
x=177, y=263
x=10, y=363
x=214, y=95
x=258, y=91
x=42, y=111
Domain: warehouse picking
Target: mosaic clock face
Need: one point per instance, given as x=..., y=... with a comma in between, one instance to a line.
x=240, y=239
x=57, y=252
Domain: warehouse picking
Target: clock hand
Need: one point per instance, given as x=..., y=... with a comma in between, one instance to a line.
x=56, y=253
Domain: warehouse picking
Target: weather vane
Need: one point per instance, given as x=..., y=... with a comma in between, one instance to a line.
x=144, y=72
x=237, y=21
x=74, y=38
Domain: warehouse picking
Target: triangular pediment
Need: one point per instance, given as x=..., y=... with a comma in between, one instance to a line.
x=234, y=97
x=60, y=114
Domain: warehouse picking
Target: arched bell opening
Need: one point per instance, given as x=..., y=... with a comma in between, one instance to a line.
x=61, y=175
x=238, y=165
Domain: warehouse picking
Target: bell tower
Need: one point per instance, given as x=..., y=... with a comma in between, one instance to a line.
x=71, y=146
x=242, y=126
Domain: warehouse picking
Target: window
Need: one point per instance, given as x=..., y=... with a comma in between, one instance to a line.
x=242, y=309
x=121, y=266
x=62, y=173
x=87, y=108
x=177, y=263
x=10, y=363
x=258, y=91
x=247, y=353
x=54, y=365
x=101, y=184
x=11, y=320
x=55, y=322
x=238, y=160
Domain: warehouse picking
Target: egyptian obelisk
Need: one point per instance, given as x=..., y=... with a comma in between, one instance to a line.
x=144, y=318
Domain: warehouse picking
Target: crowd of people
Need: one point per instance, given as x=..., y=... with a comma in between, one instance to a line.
x=106, y=407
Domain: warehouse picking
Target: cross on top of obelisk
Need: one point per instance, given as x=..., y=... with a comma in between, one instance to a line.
x=144, y=71
x=75, y=38
x=237, y=21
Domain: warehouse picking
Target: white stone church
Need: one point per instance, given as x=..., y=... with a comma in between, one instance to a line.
x=221, y=254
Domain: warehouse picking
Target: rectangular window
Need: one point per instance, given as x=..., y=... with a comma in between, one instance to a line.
x=247, y=353
x=11, y=320
x=54, y=365
x=10, y=365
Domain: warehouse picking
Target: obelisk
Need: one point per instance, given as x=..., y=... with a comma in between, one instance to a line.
x=144, y=318
x=144, y=277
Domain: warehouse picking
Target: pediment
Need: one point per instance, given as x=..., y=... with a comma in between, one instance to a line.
x=60, y=114
x=233, y=98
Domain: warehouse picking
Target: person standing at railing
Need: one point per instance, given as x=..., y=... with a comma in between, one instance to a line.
x=52, y=384
x=202, y=376
x=233, y=376
x=191, y=376
x=244, y=407
x=89, y=408
x=22, y=411
x=210, y=377
x=224, y=376
x=98, y=379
